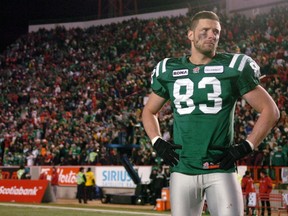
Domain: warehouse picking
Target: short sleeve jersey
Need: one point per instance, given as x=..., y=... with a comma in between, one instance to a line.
x=89, y=178
x=203, y=99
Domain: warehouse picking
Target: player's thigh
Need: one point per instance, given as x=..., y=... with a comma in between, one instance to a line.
x=186, y=195
x=224, y=195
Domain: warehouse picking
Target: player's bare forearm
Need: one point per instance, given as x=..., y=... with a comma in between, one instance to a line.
x=151, y=124
x=263, y=126
x=149, y=115
x=261, y=101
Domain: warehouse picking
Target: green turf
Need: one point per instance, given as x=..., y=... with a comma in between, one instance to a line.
x=57, y=210
x=74, y=211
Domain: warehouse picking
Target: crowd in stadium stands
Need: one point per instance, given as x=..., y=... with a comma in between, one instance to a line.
x=67, y=93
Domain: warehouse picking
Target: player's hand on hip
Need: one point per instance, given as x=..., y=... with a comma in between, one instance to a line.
x=166, y=151
x=228, y=159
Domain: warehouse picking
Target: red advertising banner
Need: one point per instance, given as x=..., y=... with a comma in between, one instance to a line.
x=22, y=190
x=67, y=175
x=9, y=172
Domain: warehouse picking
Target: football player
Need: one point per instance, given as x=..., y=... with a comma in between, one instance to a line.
x=203, y=89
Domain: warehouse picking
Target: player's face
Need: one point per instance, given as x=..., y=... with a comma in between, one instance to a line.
x=205, y=37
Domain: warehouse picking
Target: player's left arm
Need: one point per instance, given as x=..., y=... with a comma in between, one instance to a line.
x=262, y=102
x=268, y=111
x=259, y=99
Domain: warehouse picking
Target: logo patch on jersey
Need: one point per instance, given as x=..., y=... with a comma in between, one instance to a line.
x=214, y=69
x=196, y=70
x=177, y=73
x=210, y=165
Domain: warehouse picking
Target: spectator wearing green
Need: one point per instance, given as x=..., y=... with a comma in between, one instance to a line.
x=279, y=158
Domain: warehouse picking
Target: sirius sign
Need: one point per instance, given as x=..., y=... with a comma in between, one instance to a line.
x=117, y=176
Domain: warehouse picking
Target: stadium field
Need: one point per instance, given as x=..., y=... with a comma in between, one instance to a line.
x=19, y=209
x=7, y=209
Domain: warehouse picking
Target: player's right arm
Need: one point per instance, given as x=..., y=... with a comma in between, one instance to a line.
x=149, y=115
x=156, y=100
x=164, y=149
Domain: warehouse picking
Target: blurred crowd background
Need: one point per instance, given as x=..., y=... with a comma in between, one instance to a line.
x=67, y=93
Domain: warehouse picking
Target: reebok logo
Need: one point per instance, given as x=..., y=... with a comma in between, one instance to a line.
x=214, y=69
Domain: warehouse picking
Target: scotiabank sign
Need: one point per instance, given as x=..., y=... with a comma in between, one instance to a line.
x=22, y=190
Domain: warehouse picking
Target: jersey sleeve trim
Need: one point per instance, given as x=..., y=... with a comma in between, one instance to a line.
x=164, y=65
x=158, y=79
x=234, y=63
x=243, y=62
x=163, y=68
x=249, y=72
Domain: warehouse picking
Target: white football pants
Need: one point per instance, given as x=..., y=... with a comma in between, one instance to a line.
x=221, y=190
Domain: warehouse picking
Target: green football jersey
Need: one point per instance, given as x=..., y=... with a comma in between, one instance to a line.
x=203, y=99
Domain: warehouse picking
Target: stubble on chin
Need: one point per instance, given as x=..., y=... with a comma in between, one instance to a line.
x=205, y=49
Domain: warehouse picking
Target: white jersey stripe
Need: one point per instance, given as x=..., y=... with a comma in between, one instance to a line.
x=234, y=59
x=164, y=65
x=242, y=63
x=157, y=69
